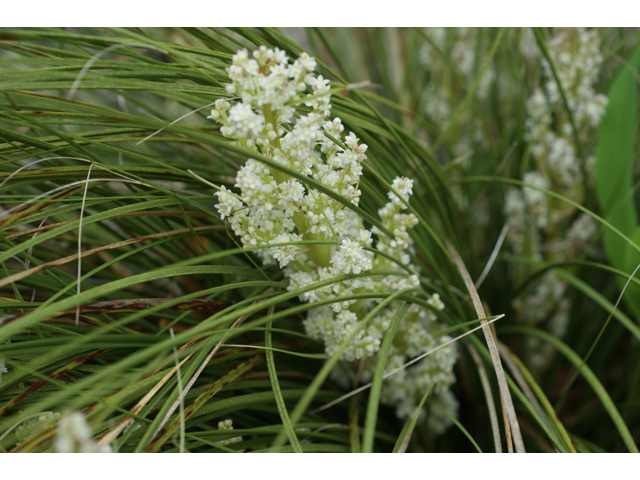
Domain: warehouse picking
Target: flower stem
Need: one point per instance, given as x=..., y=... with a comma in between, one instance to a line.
x=319, y=254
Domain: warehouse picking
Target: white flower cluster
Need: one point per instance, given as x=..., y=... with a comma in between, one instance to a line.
x=74, y=436
x=576, y=57
x=3, y=368
x=272, y=208
x=542, y=227
x=227, y=425
x=32, y=427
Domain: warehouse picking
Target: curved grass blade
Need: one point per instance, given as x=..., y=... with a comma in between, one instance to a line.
x=311, y=391
x=277, y=393
x=493, y=349
x=588, y=375
x=486, y=387
x=405, y=435
x=518, y=368
x=458, y=424
x=376, y=387
x=202, y=399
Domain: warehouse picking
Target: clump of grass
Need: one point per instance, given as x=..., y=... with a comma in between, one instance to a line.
x=128, y=298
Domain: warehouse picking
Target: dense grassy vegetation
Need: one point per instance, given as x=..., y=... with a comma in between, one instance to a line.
x=125, y=295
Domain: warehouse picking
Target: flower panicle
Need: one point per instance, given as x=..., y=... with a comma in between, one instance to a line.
x=276, y=211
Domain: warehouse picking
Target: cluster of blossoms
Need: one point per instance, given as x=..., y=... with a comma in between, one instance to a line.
x=74, y=436
x=275, y=211
x=541, y=227
x=227, y=425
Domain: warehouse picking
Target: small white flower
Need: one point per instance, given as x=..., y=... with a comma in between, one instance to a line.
x=3, y=368
x=227, y=425
x=436, y=302
x=228, y=203
x=74, y=436
x=350, y=258
x=404, y=186
x=286, y=253
x=535, y=199
x=245, y=122
x=582, y=230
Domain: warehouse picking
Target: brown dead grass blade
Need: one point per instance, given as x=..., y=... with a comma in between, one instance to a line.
x=131, y=305
x=41, y=383
x=493, y=349
x=145, y=213
x=191, y=382
x=112, y=434
x=30, y=209
x=61, y=261
x=204, y=398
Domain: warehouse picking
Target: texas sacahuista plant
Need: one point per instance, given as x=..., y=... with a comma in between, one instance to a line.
x=272, y=210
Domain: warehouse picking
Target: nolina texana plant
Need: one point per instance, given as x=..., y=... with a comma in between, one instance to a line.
x=256, y=341
x=274, y=208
